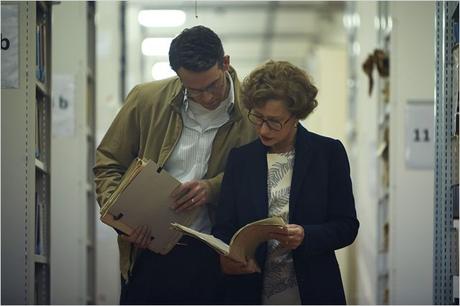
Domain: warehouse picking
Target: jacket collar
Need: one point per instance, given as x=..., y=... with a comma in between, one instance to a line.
x=177, y=95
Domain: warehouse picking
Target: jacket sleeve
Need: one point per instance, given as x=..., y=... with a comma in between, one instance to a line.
x=118, y=148
x=214, y=184
x=226, y=217
x=341, y=226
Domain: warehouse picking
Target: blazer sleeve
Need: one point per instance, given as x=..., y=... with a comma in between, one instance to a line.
x=226, y=214
x=341, y=226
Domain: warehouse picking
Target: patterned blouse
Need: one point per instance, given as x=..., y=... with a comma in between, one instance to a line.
x=280, y=283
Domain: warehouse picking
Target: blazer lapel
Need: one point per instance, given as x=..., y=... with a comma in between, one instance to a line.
x=303, y=157
x=259, y=182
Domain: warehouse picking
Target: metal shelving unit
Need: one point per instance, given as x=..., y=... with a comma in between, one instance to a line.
x=26, y=120
x=445, y=252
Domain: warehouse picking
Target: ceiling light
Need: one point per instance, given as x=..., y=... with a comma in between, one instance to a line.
x=156, y=46
x=161, y=18
x=162, y=70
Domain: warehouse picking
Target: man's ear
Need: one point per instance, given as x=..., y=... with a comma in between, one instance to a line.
x=226, y=63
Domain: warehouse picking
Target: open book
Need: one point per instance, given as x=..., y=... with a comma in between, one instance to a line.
x=143, y=198
x=244, y=242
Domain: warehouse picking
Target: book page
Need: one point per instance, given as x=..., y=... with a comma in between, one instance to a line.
x=246, y=240
x=217, y=244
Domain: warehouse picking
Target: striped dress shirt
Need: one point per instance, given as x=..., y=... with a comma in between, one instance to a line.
x=189, y=159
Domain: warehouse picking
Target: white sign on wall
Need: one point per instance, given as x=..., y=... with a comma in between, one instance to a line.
x=63, y=115
x=10, y=38
x=419, y=150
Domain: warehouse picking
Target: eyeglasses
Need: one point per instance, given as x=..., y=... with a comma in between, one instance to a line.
x=272, y=124
x=215, y=88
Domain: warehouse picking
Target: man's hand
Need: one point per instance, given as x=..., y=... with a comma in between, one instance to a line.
x=229, y=266
x=140, y=237
x=190, y=195
x=290, y=236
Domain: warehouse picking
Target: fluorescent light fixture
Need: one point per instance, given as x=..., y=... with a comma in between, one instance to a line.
x=161, y=18
x=156, y=46
x=162, y=70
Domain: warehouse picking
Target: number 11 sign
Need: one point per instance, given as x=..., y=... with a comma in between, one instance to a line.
x=419, y=151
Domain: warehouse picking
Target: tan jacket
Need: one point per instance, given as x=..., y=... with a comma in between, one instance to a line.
x=149, y=126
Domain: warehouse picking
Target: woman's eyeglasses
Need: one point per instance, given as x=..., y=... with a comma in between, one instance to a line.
x=272, y=124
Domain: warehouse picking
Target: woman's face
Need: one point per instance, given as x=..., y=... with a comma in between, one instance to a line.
x=275, y=125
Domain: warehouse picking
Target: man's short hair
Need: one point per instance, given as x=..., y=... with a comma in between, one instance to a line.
x=196, y=49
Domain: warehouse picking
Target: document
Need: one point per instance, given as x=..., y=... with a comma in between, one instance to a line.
x=244, y=242
x=143, y=198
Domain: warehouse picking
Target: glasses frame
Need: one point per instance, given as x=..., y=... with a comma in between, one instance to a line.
x=267, y=122
x=214, y=88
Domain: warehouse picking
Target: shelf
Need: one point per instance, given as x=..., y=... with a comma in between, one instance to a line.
x=89, y=244
x=89, y=187
x=41, y=166
x=41, y=88
x=89, y=74
x=384, y=197
x=40, y=259
x=43, y=6
x=381, y=148
x=382, y=264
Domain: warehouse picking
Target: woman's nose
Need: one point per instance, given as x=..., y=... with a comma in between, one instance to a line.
x=264, y=129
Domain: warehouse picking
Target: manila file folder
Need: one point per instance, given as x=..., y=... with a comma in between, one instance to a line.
x=143, y=198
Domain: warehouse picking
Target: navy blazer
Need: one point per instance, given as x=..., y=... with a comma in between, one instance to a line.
x=321, y=200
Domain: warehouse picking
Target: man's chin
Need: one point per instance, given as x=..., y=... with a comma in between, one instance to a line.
x=212, y=105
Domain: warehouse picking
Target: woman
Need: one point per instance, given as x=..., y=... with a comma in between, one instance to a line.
x=293, y=173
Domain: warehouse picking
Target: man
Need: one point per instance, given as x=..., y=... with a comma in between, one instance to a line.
x=188, y=125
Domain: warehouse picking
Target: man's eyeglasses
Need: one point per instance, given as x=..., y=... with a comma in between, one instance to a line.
x=272, y=124
x=215, y=88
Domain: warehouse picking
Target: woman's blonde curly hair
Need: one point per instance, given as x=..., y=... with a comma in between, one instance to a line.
x=280, y=80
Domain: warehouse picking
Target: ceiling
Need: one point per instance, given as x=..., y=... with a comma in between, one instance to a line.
x=251, y=31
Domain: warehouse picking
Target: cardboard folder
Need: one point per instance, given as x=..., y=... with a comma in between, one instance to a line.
x=144, y=198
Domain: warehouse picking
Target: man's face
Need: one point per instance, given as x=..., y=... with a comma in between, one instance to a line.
x=207, y=88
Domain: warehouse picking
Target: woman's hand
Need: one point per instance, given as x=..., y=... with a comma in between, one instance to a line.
x=229, y=266
x=290, y=236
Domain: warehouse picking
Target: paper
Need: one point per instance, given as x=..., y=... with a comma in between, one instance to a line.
x=143, y=198
x=244, y=242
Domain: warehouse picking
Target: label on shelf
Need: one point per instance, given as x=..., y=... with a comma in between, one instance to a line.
x=63, y=106
x=10, y=50
x=419, y=150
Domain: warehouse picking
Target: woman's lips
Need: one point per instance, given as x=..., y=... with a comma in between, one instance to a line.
x=265, y=139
